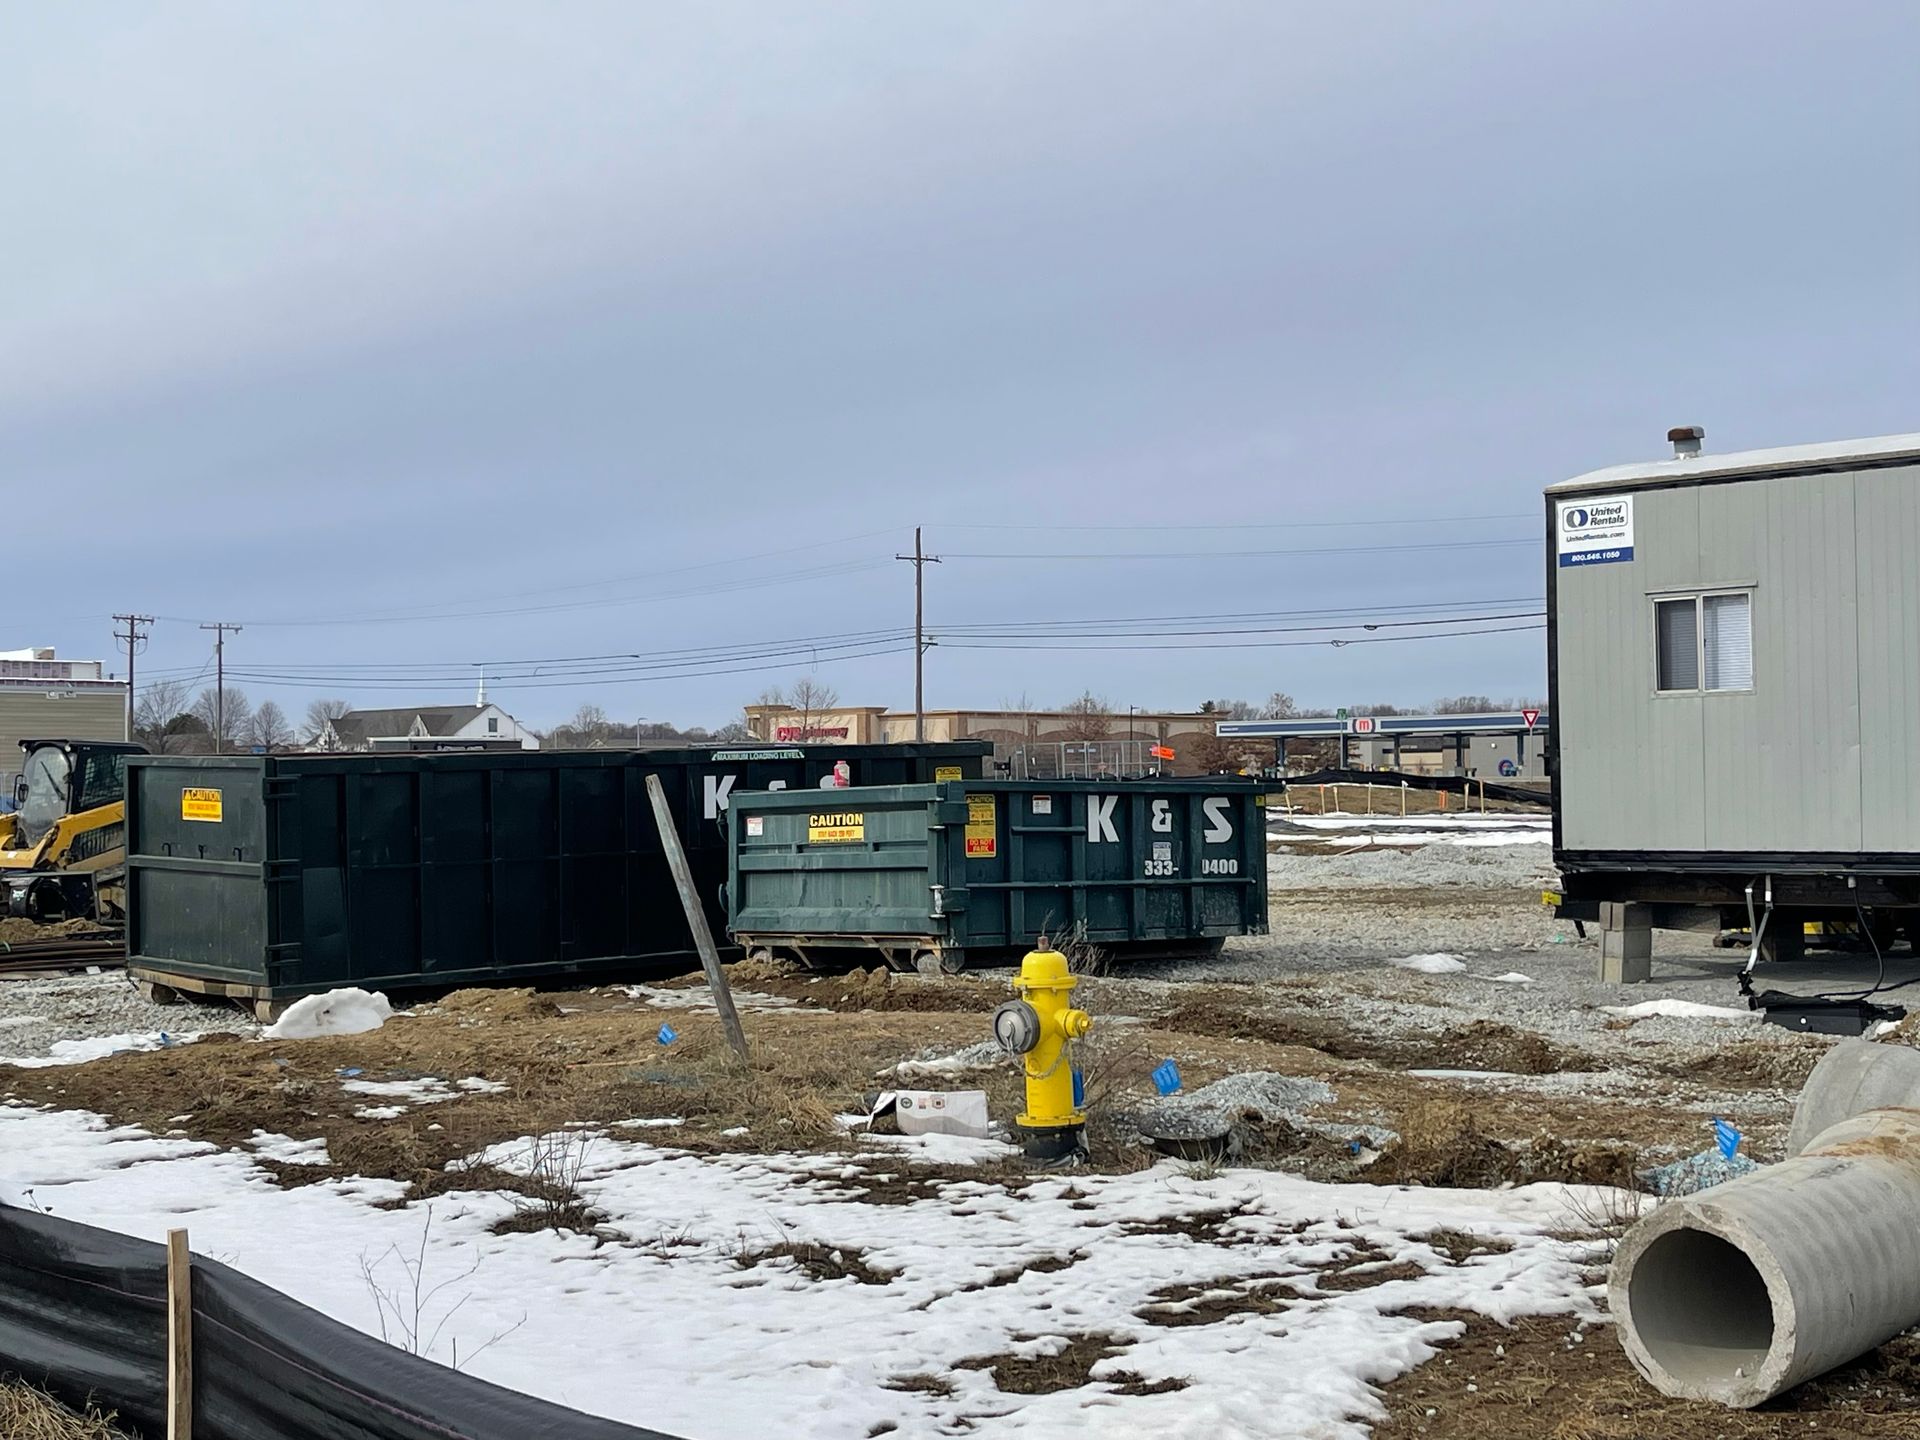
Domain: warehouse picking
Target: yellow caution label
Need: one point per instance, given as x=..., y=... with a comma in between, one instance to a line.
x=199, y=804
x=947, y=772
x=836, y=827
x=983, y=830
x=1549, y=897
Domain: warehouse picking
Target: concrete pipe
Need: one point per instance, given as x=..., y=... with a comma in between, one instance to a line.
x=1745, y=1290
x=1854, y=1076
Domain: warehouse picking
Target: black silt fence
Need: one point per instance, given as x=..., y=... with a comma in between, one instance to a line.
x=83, y=1315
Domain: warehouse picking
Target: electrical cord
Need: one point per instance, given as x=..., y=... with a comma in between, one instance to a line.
x=1880, y=959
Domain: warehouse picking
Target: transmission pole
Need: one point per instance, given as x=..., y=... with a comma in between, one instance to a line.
x=135, y=637
x=920, y=560
x=220, y=629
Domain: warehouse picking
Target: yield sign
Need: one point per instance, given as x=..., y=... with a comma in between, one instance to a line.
x=1532, y=717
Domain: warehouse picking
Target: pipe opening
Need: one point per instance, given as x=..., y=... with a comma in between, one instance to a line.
x=1701, y=1309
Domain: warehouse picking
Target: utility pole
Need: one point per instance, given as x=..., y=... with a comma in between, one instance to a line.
x=920, y=560
x=220, y=629
x=135, y=637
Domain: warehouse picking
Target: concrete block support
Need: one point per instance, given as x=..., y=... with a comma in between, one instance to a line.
x=1742, y=1291
x=1784, y=941
x=1626, y=943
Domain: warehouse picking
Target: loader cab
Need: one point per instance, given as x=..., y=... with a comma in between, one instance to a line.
x=59, y=778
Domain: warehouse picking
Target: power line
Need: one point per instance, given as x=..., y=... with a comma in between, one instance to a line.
x=1251, y=630
x=1240, y=554
x=307, y=682
x=1254, y=644
x=1273, y=525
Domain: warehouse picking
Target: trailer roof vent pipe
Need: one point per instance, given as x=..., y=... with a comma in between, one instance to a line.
x=1686, y=441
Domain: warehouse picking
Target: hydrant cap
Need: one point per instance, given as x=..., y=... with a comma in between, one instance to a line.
x=1045, y=970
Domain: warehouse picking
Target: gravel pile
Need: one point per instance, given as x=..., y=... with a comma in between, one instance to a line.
x=1213, y=1109
x=1696, y=1173
x=34, y=1014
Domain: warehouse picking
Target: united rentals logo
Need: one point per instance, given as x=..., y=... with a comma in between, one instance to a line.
x=1596, y=531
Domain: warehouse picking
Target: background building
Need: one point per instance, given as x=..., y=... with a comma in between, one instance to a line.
x=42, y=697
x=428, y=727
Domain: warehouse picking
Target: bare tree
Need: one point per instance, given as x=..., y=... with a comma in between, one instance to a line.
x=1230, y=709
x=1279, y=706
x=160, y=703
x=270, y=729
x=733, y=733
x=1463, y=705
x=1088, y=718
x=589, y=729
x=230, y=720
x=320, y=713
x=809, y=698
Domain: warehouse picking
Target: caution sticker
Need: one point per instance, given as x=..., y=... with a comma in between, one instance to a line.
x=983, y=830
x=947, y=772
x=199, y=804
x=836, y=827
x=756, y=826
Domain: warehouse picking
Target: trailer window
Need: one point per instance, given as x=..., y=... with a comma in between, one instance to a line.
x=1726, y=641
x=1703, y=643
x=1676, y=625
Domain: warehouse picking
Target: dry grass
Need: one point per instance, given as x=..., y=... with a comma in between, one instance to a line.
x=1443, y=1142
x=815, y=1261
x=27, y=1413
x=1071, y=1368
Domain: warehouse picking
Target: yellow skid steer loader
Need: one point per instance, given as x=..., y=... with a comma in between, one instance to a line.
x=63, y=848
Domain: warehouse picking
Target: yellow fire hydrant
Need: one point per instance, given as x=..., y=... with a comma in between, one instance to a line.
x=1041, y=1026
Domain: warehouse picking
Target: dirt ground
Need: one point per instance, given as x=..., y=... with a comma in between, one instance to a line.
x=1513, y=1099
x=1536, y=1379
x=591, y=1058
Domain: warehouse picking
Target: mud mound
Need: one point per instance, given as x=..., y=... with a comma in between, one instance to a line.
x=1442, y=1145
x=1750, y=1066
x=882, y=989
x=1232, y=1019
x=1489, y=1045
x=510, y=1004
x=760, y=966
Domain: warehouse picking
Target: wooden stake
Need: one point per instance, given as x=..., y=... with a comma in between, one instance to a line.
x=697, y=920
x=179, y=1338
x=1403, y=799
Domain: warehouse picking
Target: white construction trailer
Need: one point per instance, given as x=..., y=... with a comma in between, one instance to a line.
x=1733, y=650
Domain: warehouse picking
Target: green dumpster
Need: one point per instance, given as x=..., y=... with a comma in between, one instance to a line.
x=935, y=874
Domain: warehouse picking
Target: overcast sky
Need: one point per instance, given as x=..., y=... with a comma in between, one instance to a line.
x=419, y=336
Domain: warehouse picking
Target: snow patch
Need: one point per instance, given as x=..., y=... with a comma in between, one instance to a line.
x=1679, y=1010
x=272, y=1146
x=749, y=1342
x=698, y=998
x=1435, y=964
x=1512, y=977
x=351, y=1011
x=79, y=1052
